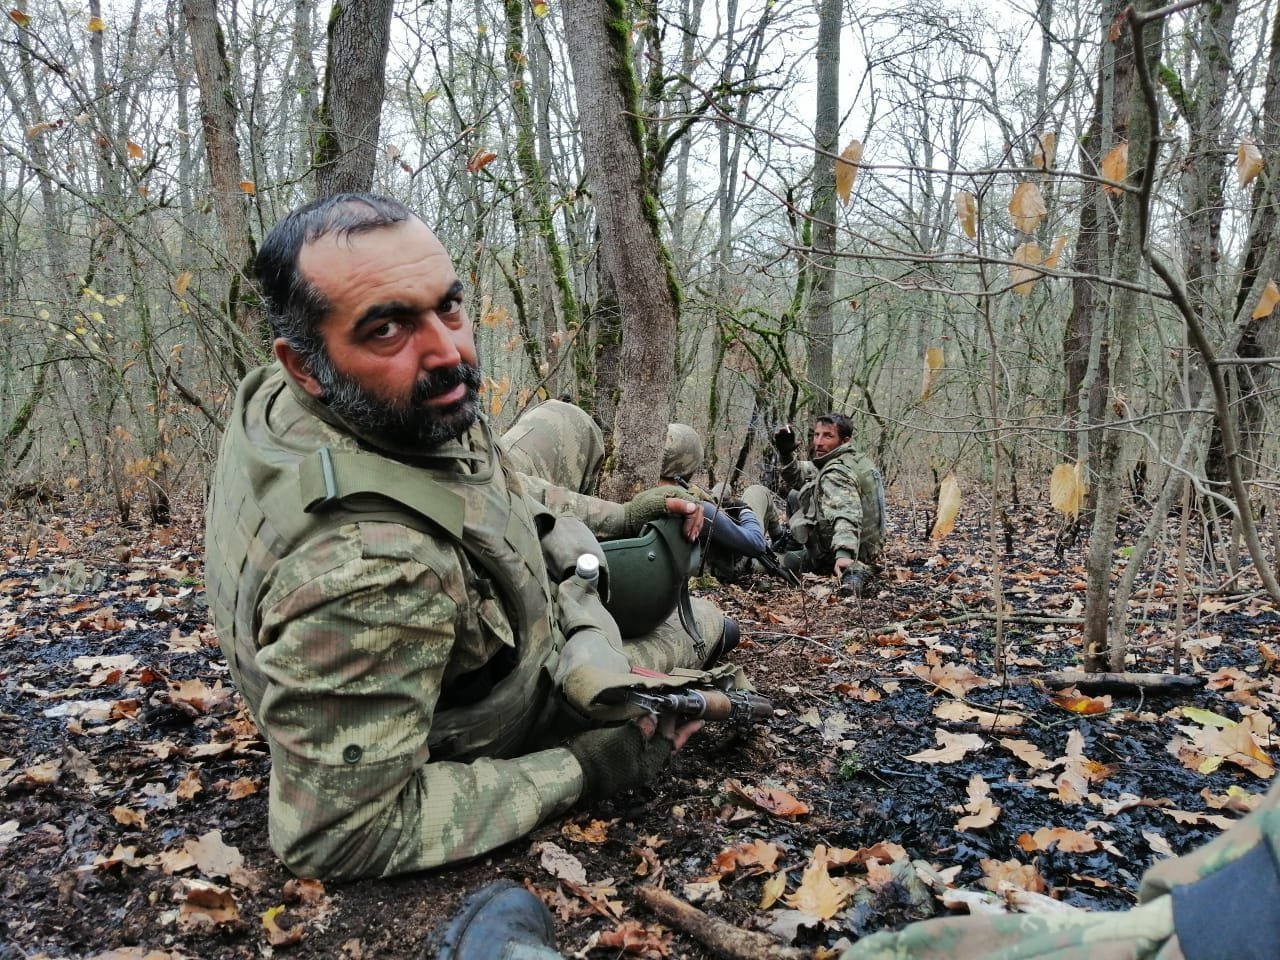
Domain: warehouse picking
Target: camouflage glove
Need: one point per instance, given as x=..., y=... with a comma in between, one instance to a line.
x=784, y=441
x=650, y=505
x=617, y=758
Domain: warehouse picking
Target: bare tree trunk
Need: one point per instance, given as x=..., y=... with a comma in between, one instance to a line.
x=1085, y=349
x=822, y=260
x=1124, y=318
x=631, y=250
x=351, y=112
x=218, y=116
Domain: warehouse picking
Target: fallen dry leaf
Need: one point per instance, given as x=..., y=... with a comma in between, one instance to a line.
x=820, y=895
x=637, y=939
x=1001, y=876
x=980, y=811
x=279, y=936
x=1068, y=841
x=769, y=799
x=952, y=747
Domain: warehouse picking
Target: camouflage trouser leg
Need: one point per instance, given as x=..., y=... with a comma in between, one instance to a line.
x=1138, y=933
x=763, y=504
x=668, y=646
x=557, y=442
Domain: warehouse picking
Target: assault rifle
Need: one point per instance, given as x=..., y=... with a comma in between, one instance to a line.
x=736, y=706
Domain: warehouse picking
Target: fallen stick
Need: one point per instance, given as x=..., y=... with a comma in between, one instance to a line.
x=714, y=934
x=1168, y=683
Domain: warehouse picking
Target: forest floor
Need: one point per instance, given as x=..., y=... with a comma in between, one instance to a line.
x=902, y=776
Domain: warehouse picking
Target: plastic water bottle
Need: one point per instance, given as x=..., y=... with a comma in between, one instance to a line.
x=588, y=569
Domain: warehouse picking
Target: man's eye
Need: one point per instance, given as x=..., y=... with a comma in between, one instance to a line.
x=451, y=306
x=385, y=331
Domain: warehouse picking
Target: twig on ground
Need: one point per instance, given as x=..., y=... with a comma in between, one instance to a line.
x=715, y=934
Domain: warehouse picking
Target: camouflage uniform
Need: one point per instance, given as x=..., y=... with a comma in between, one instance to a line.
x=374, y=635
x=1220, y=901
x=839, y=513
x=730, y=537
x=558, y=442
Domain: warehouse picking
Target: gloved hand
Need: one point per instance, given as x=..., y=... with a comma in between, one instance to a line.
x=650, y=505
x=618, y=758
x=784, y=441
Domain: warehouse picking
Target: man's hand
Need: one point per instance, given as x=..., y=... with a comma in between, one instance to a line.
x=692, y=513
x=784, y=441
x=619, y=758
x=842, y=564
x=651, y=504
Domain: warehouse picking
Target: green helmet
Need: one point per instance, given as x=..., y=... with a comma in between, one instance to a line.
x=647, y=574
x=681, y=452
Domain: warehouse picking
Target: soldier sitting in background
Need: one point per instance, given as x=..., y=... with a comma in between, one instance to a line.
x=838, y=513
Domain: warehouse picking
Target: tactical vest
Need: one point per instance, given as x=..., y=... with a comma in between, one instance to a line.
x=810, y=527
x=271, y=496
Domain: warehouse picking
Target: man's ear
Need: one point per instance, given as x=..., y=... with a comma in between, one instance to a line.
x=297, y=368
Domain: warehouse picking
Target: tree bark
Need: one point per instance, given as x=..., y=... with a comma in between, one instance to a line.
x=822, y=258
x=351, y=112
x=218, y=115
x=630, y=248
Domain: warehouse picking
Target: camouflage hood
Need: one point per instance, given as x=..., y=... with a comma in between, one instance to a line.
x=682, y=452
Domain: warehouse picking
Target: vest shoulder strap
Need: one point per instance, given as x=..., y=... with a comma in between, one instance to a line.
x=355, y=482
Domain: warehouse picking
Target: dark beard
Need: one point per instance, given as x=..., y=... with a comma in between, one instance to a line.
x=408, y=424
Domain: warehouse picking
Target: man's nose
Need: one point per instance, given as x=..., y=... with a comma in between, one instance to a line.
x=436, y=344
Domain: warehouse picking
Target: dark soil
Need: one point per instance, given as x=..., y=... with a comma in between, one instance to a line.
x=112, y=770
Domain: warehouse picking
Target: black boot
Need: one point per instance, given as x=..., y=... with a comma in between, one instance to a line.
x=500, y=920
x=728, y=640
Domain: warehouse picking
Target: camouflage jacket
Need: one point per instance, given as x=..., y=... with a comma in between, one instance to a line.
x=351, y=645
x=841, y=507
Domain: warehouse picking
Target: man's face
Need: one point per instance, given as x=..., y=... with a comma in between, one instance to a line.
x=825, y=438
x=400, y=356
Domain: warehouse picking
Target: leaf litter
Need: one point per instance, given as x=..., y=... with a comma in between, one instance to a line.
x=901, y=777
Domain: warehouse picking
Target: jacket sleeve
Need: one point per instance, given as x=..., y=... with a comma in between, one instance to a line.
x=359, y=638
x=841, y=505
x=744, y=536
x=796, y=473
x=605, y=518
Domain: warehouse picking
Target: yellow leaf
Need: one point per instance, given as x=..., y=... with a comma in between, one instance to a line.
x=967, y=213
x=1114, y=167
x=1248, y=161
x=1067, y=488
x=1022, y=277
x=948, y=507
x=480, y=159
x=277, y=936
x=135, y=151
x=819, y=894
x=1042, y=156
x=847, y=170
x=1026, y=207
x=249, y=187
x=540, y=8
x=1059, y=244
x=182, y=281
x=1267, y=302
x=933, y=360
x=18, y=17
x=773, y=889
x=1207, y=718
x=96, y=25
